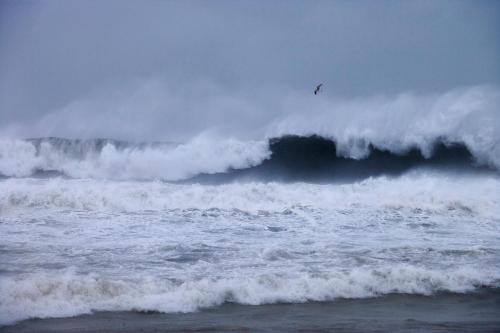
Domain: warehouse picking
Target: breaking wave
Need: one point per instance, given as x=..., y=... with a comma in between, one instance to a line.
x=112, y=159
x=289, y=157
x=69, y=294
x=315, y=158
x=314, y=139
x=426, y=192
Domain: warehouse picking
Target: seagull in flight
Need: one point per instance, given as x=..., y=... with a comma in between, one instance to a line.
x=318, y=87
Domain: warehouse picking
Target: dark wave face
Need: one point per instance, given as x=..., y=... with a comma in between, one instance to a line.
x=287, y=158
x=315, y=158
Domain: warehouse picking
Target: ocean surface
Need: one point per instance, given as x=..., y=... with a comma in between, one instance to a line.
x=99, y=225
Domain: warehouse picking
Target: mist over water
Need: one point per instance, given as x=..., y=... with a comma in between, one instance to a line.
x=167, y=71
x=171, y=156
x=395, y=125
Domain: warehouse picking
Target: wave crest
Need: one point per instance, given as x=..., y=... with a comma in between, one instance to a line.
x=285, y=158
x=314, y=138
x=70, y=294
x=112, y=159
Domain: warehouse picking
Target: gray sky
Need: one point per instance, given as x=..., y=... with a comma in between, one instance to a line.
x=193, y=64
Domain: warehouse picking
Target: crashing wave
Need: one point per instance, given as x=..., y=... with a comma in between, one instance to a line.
x=422, y=191
x=289, y=157
x=112, y=159
x=314, y=138
x=69, y=294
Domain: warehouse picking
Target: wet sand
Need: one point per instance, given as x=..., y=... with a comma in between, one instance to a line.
x=478, y=312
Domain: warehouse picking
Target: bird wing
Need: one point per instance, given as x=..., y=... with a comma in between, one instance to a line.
x=317, y=88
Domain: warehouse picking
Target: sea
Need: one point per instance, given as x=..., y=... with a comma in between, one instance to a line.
x=307, y=222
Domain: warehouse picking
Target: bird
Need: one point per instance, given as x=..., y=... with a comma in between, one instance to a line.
x=318, y=87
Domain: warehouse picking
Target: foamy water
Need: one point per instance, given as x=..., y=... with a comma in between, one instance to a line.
x=70, y=246
x=98, y=224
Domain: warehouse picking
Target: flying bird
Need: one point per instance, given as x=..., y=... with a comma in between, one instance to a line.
x=318, y=87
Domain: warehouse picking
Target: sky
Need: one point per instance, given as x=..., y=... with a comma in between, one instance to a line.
x=166, y=70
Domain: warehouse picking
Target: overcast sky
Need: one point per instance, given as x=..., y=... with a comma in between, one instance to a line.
x=183, y=62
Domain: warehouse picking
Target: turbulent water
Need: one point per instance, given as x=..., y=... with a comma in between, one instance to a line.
x=102, y=224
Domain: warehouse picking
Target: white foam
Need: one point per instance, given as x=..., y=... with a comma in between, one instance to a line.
x=17, y=158
x=435, y=192
x=42, y=295
x=250, y=243
x=203, y=154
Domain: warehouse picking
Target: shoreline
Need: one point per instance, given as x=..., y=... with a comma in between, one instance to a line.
x=446, y=312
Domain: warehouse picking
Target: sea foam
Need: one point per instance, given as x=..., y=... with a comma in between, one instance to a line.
x=64, y=294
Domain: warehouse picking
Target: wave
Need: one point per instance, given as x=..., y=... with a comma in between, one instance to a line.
x=316, y=158
x=423, y=192
x=290, y=157
x=67, y=293
x=113, y=159
x=300, y=138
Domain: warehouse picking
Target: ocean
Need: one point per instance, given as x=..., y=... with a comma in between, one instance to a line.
x=143, y=230
x=249, y=166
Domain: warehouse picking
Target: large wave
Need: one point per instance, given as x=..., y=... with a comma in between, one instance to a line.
x=314, y=139
x=289, y=157
x=113, y=159
x=315, y=158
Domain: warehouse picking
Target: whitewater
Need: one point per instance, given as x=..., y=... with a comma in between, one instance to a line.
x=345, y=199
